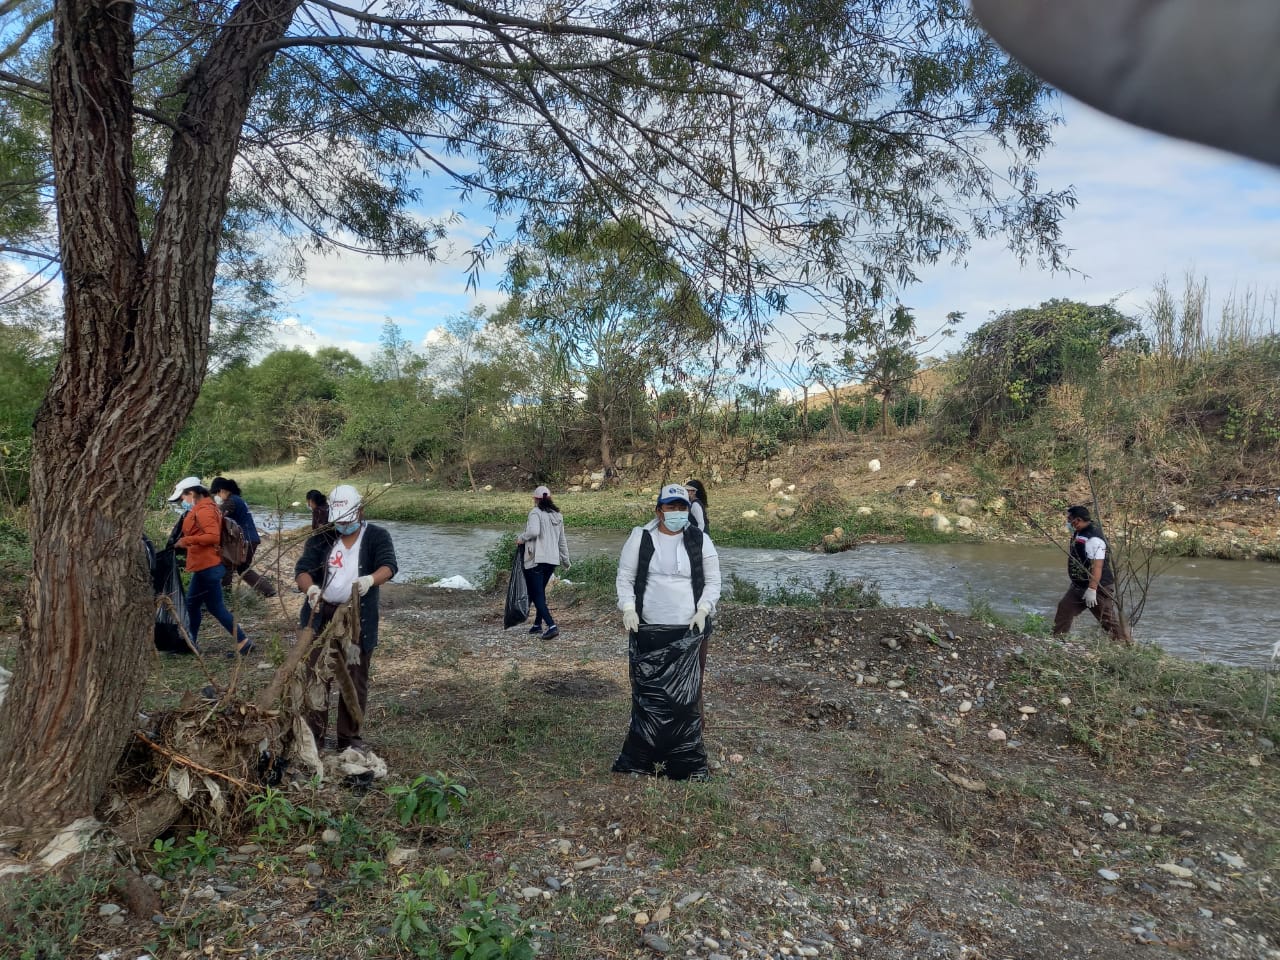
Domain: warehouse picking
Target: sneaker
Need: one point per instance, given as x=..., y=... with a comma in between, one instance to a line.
x=243, y=651
x=552, y=632
x=536, y=628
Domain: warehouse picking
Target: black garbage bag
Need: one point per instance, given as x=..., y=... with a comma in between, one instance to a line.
x=666, y=716
x=517, y=610
x=171, y=622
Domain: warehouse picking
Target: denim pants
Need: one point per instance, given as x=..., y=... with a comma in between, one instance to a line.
x=205, y=590
x=536, y=579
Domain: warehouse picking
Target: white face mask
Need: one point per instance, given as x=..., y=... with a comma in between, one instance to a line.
x=219, y=499
x=675, y=520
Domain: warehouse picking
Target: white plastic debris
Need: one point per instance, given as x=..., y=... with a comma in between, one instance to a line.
x=454, y=583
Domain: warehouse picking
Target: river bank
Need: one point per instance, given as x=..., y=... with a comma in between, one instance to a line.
x=826, y=497
x=862, y=802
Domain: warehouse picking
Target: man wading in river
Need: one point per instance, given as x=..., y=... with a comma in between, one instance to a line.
x=1092, y=579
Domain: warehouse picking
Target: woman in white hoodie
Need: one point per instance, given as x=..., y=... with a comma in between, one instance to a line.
x=545, y=547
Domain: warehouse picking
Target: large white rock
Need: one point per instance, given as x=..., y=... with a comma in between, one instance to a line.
x=750, y=514
x=301, y=460
x=941, y=524
x=963, y=523
x=865, y=511
x=1168, y=534
x=873, y=466
x=775, y=484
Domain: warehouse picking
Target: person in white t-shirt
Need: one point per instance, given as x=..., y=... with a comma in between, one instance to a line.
x=346, y=554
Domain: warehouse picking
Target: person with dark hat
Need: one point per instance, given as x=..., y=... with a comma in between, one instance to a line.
x=1092, y=578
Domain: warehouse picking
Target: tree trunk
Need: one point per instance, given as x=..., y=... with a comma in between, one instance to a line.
x=134, y=355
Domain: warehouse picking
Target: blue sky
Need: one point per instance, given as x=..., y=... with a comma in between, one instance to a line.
x=1148, y=206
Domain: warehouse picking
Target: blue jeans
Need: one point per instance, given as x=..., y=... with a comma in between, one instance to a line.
x=536, y=579
x=205, y=590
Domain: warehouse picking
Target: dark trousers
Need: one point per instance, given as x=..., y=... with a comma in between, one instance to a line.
x=1072, y=605
x=318, y=720
x=205, y=590
x=536, y=578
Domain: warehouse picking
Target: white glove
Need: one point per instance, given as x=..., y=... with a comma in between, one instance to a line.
x=1091, y=598
x=630, y=619
x=364, y=583
x=313, y=596
x=699, y=621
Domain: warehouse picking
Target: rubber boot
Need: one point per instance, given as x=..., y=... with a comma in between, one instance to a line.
x=258, y=582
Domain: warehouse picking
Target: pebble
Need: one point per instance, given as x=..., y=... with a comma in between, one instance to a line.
x=564, y=846
x=641, y=918
x=1064, y=701
x=249, y=848
x=1175, y=870
x=109, y=909
x=551, y=882
x=816, y=866
x=313, y=870
x=402, y=855
x=655, y=943
x=610, y=918
x=154, y=882
x=711, y=943
x=588, y=863
x=257, y=919
x=1027, y=711
x=895, y=684
x=689, y=898
x=1206, y=913
x=736, y=758
x=331, y=836
x=305, y=848
x=116, y=920
x=996, y=734
x=1232, y=861
x=1108, y=875
x=661, y=914
x=1110, y=819
x=966, y=706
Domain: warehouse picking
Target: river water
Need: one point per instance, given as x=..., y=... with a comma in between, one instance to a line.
x=1222, y=610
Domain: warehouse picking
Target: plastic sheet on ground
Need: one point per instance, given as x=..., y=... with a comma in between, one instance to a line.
x=666, y=716
x=455, y=583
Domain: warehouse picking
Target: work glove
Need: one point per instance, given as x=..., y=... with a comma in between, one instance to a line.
x=364, y=583
x=1091, y=598
x=630, y=619
x=699, y=621
x=313, y=596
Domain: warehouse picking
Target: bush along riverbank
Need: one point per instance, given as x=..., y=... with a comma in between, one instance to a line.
x=886, y=783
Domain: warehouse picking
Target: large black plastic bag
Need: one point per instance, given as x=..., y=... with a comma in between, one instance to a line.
x=666, y=692
x=171, y=623
x=517, y=610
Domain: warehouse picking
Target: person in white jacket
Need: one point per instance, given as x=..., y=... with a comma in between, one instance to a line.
x=658, y=582
x=545, y=548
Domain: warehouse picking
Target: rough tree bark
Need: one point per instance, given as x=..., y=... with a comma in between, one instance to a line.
x=136, y=337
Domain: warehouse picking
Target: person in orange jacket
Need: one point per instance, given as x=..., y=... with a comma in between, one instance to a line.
x=201, y=538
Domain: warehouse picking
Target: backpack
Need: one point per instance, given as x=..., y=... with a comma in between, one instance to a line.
x=232, y=545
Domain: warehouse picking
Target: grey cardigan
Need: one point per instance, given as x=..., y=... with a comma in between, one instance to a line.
x=544, y=540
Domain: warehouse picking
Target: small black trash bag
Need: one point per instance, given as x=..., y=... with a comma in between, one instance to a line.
x=517, y=610
x=666, y=692
x=171, y=622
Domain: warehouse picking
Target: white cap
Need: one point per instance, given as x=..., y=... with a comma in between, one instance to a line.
x=673, y=493
x=540, y=492
x=185, y=484
x=344, y=503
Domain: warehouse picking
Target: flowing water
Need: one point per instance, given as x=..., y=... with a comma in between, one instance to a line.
x=1221, y=610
